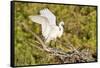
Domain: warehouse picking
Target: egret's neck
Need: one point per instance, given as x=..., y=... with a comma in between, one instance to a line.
x=60, y=30
x=60, y=27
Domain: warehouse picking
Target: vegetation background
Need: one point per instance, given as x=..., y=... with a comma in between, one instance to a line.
x=79, y=30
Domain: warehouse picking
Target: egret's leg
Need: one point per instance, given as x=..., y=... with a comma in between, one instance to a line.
x=50, y=43
x=55, y=43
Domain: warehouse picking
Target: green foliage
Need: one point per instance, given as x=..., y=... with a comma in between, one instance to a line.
x=79, y=29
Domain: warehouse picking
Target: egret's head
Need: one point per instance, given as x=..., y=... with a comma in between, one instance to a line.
x=61, y=23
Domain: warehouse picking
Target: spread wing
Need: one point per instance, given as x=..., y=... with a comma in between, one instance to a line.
x=43, y=21
x=39, y=19
x=49, y=15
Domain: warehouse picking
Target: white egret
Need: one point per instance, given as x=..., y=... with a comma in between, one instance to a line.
x=50, y=30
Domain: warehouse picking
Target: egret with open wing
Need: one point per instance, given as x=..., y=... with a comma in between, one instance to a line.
x=50, y=30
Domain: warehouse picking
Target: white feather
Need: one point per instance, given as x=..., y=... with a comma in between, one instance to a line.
x=39, y=19
x=49, y=15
